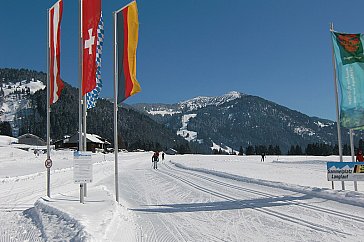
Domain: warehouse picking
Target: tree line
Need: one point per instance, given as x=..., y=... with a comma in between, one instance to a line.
x=314, y=149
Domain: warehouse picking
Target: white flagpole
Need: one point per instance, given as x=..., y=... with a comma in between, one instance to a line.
x=48, y=112
x=84, y=137
x=353, y=154
x=337, y=110
x=80, y=58
x=116, y=114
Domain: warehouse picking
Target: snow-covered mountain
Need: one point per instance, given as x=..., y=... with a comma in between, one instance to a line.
x=188, y=105
x=202, y=101
x=14, y=99
x=225, y=122
x=236, y=119
x=24, y=106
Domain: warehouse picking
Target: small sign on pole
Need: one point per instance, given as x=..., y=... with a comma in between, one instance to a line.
x=48, y=163
x=82, y=167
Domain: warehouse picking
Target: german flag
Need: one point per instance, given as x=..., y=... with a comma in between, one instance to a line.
x=126, y=37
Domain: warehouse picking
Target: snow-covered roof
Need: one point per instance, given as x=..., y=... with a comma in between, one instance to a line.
x=90, y=138
x=7, y=140
x=94, y=138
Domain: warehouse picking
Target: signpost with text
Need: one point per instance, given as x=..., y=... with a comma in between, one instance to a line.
x=82, y=170
x=345, y=171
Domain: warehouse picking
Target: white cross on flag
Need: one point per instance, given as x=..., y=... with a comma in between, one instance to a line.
x=54, y=46
x=91, y=13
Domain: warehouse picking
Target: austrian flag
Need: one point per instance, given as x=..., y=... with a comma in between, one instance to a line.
x=54, y=45
x=91, y=13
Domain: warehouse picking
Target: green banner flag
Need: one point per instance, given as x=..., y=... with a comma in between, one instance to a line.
x=349, y=56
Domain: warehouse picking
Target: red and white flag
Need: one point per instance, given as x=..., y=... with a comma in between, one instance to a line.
x=55, y=82
x=91, y=13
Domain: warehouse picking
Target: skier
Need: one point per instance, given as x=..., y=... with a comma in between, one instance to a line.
x=155, y=159
x=359, y=156
x=263, y=156
x=162, y=156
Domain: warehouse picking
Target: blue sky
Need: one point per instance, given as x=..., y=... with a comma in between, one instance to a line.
x=278, y=50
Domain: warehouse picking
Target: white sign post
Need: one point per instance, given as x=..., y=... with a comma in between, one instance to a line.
x=82, y=169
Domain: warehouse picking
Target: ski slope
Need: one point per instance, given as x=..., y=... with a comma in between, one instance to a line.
x=189, y=198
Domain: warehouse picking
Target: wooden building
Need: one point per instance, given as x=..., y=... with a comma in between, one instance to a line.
x=93, y=142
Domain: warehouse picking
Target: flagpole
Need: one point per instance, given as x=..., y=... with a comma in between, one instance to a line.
x=48, y=112
x=80, y=48
x=337, y=109
x=84, y=114
x=84, y=137
x=353, y=154
x=116, y=115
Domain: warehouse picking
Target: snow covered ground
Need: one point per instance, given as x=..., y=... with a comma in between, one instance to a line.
x=189, y=198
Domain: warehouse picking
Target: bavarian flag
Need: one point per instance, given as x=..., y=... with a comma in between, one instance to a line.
x=126, y=37
x=349, y=58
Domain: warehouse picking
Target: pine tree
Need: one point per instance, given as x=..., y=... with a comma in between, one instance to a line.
x=361, y=145
x=250, y=150
x=292, y=150
x=277, y=150
x=298, y=150
x=241, y=150
x=5, y=129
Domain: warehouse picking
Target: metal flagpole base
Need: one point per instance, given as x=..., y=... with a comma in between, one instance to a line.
x=85, y=189
x=48, y=182
x=82, y=198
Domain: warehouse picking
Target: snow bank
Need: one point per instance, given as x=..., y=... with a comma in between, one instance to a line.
x=101, y=218
x=56, y=224
x=349, y=197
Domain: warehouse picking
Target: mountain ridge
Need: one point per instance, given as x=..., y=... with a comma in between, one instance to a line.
x=136, y=131
x=229, y=121
x=242, y=120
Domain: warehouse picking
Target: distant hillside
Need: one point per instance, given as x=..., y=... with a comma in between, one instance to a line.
x=17, y=75
x=236, y=119
x=228, y=122
x=16, y=86
x=136, y=130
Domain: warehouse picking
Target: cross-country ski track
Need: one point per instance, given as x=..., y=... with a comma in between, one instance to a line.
x=174, y=204
x=189, y=198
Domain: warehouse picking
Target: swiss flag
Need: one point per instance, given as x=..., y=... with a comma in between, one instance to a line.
x=91, y=13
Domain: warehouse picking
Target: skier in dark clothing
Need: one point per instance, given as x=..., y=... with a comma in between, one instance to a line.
x=263, y=156
x=162, y=156
x=155, y=159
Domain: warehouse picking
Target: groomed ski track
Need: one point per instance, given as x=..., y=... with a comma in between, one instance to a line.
x=175, y=204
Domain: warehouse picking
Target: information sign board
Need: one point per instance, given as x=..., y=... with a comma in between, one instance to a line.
x=82, y=167
x=345, y=171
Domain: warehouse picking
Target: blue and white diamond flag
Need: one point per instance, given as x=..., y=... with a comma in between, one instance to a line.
x=92, y=96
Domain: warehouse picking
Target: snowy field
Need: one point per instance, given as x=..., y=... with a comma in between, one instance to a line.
x=189, y=198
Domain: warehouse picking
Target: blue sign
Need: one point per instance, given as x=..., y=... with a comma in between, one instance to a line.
x=345, y=171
